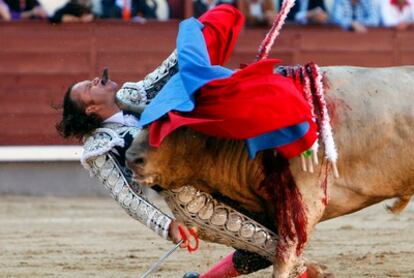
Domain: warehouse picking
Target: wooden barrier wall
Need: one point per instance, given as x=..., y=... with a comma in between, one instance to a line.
x=38, y=61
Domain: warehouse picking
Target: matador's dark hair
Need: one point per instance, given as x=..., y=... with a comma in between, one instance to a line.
x=75, y=122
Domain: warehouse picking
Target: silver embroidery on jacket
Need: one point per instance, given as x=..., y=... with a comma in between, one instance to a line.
x=134, y=97
x=217, y=222
x=97, y=158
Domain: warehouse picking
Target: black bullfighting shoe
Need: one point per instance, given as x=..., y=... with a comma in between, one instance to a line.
x=191, y=275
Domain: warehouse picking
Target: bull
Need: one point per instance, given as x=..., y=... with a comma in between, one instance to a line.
x=372, y=114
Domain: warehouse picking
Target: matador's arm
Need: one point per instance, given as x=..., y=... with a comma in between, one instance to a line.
x=101, y=162
x=134, y=96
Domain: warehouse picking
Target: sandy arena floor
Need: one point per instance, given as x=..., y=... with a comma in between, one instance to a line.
x=86, y=237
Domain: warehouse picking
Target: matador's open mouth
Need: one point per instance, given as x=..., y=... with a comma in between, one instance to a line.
x=105, y=76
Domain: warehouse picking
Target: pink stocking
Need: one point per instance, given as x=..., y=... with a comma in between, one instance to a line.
x=223, y=269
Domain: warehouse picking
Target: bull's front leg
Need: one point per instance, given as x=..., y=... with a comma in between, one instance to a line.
x=286, y=254
x=284, y=262
x=311, y=187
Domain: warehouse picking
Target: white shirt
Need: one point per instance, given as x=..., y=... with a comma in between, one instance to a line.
x=391, y=15
x=120, y=118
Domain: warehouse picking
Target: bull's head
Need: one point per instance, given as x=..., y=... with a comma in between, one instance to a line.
x=171, y=165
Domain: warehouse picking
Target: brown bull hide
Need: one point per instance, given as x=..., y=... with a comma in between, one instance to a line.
x=372, y=112
x=186, y=157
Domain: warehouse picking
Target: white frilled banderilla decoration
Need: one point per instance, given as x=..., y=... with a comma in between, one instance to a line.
x=311, y=75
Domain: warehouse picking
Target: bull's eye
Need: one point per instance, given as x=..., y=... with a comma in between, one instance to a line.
x=139, y=160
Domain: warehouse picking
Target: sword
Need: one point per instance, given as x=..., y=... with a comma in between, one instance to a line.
x=158, y=263
x=190, y=249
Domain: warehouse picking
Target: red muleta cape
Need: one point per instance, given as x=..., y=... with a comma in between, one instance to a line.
x=251, y=102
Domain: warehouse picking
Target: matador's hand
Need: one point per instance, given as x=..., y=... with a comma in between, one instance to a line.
x=177, y=232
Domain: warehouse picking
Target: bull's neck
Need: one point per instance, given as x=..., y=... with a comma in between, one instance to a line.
x=231, y=167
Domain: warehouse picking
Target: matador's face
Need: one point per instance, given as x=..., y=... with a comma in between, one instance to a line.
x=95, y=93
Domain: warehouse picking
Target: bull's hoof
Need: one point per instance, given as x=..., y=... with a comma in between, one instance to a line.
x=191, y=275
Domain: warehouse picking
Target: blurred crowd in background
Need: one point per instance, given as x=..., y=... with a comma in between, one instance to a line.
x=355, y=15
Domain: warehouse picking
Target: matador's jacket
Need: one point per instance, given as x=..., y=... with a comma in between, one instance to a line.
x=216, y=218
